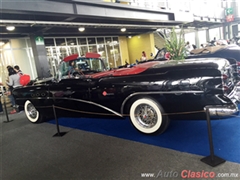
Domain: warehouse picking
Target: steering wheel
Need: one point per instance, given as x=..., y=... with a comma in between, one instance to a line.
x=76, y=74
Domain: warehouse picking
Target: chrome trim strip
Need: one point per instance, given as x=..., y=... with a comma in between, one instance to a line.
x=161, y=92
x=80, y=100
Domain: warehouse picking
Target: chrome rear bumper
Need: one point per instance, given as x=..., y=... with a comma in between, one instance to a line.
x=223, y=111
x=235, y=94
x=227, y=110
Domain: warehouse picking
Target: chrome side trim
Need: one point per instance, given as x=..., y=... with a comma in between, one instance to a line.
x=80, y=100
x=158, y=92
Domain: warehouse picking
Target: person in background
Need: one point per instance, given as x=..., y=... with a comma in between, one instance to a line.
x=213, y=41
x=13, y=82
x=71, y=68
x=8, y=92
x=144, y=56
x=17, y=69
x=188, y=47
x=151, y=55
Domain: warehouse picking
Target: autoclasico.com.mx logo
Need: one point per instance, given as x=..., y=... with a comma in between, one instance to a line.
x=189, y=174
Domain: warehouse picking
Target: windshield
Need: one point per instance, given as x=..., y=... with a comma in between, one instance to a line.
x=85, y=65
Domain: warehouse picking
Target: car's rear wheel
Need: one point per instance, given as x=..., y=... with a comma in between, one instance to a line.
x=147, y=116
x=32, y=113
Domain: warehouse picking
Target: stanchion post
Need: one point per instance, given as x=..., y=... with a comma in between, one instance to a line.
x=58, y=134
x=211, y=160
x=5, y=106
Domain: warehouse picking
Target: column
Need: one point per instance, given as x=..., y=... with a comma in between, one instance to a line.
x=224, y=31
x=207, y=35
x=40, y=56
x=196, y=38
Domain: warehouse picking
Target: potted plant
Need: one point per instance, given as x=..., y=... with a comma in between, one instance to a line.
x=175, y=45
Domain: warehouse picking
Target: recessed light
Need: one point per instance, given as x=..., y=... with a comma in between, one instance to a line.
x=10, y=28
x=81, y=29
x=123, y=29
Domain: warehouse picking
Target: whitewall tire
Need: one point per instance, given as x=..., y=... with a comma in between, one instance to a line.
x=147, y=116
x=31, y=112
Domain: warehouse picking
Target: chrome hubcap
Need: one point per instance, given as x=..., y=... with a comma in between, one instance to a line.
x=146, y=115
x=31, y=110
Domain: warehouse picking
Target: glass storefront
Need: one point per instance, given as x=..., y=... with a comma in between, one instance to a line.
x=107, y=47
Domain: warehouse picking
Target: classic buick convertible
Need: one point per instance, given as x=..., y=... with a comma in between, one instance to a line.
x=150, y=93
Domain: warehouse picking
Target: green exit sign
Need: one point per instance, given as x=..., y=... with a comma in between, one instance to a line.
x=39, y=40
x=229, y=11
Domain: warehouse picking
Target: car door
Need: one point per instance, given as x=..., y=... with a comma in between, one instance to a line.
x=71, y=96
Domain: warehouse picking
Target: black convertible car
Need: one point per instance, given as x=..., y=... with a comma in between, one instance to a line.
x=150, y=93
x=229, y=52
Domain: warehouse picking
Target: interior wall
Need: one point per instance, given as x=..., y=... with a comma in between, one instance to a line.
x=137, y=44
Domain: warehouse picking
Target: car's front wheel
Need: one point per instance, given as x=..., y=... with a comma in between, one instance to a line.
x=147, y=116
x=32, y=113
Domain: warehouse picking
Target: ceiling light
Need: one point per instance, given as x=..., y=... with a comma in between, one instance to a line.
x=190, y=27
x=10, y=28
x=123, y=29
x=129, y=37
x=81, y=29
x=1, y=43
